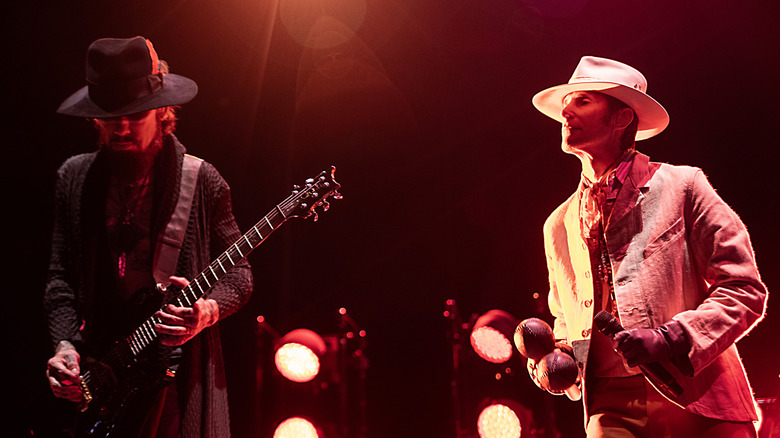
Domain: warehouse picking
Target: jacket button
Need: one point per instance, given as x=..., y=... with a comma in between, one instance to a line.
x=580, y=365
x=586, y=333
x=587, y=303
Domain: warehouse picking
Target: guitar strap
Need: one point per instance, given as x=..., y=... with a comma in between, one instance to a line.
x=169, y=243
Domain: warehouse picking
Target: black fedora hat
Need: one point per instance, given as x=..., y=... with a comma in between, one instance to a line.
x=123, y=77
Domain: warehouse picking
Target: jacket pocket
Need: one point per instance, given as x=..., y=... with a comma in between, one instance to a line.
x=671, y=234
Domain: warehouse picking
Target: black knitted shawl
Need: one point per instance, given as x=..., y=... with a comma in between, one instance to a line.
x=78, y=259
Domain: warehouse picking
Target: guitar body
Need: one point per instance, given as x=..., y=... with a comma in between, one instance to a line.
x=123, y=390
x=120, y=389
x=123, y=412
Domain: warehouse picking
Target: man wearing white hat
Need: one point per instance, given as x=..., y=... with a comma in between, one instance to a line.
x=661, y=254
x=138, y=212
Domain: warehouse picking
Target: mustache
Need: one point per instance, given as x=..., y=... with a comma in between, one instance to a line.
x=119, y=138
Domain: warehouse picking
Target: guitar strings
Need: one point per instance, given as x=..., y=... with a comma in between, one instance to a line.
x=114, y=357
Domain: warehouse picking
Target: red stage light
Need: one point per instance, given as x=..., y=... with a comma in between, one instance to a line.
x=491, y=345
x=491, y=334
x=298, y=355
x=296, y=427
x=498, y=421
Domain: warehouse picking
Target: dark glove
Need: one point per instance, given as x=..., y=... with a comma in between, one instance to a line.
x=641, y=346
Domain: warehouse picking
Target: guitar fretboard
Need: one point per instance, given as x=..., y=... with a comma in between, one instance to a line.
x=101, y=381
x=145, y=334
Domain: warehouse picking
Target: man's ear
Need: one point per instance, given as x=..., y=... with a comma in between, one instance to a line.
x=623, y=118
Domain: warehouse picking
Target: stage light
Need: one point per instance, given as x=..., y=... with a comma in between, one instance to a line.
x=491, y=336
x=296, y=427
x=499, y=421
x=299, y=353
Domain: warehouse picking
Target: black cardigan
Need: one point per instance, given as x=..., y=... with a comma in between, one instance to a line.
x=75, y=264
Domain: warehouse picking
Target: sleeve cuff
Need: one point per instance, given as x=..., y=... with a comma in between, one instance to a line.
x=679, y=346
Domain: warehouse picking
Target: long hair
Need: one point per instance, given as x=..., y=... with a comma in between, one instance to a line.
x=168, y=119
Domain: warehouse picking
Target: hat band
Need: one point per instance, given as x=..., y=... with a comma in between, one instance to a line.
x=110, y=96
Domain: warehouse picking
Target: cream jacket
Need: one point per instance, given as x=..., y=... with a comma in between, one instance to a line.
x=677, y=252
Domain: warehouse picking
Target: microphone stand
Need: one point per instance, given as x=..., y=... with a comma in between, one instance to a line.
x=266, y=337
x=455, y=335
x=350, y=329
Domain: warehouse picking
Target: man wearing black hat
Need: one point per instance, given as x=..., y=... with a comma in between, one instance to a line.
x=130, y=219
x=651, y=248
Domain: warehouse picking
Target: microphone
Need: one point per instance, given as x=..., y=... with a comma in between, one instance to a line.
x=655, y=372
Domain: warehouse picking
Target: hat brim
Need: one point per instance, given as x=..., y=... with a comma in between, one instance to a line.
x=653, y=118
x=176, y=90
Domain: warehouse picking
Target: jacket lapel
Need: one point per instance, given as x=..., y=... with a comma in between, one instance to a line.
x=630, y=194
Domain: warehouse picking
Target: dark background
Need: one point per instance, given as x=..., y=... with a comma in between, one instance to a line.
x=448, y=171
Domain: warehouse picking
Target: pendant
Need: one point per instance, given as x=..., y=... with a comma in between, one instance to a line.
x=122, y=264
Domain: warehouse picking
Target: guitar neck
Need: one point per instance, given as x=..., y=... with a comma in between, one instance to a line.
x=204, y=281
x=145, y=334
x=303, y=202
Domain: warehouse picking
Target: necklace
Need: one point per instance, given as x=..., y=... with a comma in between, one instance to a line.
x=130, y=196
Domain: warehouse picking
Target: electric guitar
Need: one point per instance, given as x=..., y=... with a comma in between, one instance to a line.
x=108, y=384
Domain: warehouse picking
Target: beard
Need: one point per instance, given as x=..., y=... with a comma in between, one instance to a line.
x=131, y=163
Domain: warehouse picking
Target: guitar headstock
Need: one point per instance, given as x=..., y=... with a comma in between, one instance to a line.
x=314, y=193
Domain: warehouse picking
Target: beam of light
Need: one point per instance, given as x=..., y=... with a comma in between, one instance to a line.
x=299, y=17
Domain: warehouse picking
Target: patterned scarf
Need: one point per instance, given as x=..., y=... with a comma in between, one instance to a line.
x=593, y=197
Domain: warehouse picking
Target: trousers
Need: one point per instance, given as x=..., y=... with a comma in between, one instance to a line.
x=629, y=407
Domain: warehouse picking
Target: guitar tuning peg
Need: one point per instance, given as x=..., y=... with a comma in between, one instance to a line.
x=309, y=181
x=296, y=187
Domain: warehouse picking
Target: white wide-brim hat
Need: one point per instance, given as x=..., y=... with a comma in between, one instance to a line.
x=613, y=78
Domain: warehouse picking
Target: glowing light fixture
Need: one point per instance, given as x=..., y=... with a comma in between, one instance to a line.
x=498, y=421
x=298, y=356
x=296, y=427
x=491, y=336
